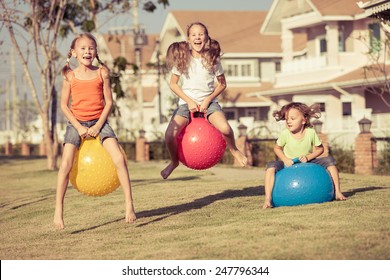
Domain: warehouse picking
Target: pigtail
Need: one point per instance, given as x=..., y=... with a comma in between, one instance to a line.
x=104, y=66
x=211, y=54
x=66, y=67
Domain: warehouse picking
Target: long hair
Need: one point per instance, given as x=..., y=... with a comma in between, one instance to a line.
x=178, y=55
x=211, y=54
x=67, y=68
x=308, y=112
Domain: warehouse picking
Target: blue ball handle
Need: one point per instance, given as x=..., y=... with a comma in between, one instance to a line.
x=296, y=160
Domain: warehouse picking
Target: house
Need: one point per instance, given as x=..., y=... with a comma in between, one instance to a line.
x=310, y=51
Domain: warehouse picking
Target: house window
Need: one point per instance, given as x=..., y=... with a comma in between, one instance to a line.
x=230, y=114
x=252, y=112
x=239, y=69
x=341, y=42
x=322, y=107
x=375, y=37
x=323, y=45
x=347, y=109
x=278, y=67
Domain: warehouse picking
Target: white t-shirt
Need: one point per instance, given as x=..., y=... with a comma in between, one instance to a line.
x=198, y=83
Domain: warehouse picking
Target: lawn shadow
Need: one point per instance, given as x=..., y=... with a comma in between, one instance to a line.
x=141, y=182
x=169, y=211
x=198, y=203
x=359, y=190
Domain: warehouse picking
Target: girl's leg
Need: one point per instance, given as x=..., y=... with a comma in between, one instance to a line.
x=218, y=120
x=334, y=173
x=269, y=181
x=62, y=183
x=174, y=128
x=119, y=159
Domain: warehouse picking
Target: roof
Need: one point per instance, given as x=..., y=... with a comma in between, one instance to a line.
x=355, y=78
x=282, y=9
x=237, y=31
x=122, y=45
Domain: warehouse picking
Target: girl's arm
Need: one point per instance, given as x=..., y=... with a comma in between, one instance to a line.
x=279, y=153
x=174, y=85
x=65, y=97
x=107, y=93
x=221, y=86
x=317, y=151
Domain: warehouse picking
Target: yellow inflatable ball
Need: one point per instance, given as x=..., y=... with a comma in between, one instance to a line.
x=93, y=172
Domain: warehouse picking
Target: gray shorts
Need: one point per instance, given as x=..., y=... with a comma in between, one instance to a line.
x=72, y=136
x=185, y=112
x=323, y=161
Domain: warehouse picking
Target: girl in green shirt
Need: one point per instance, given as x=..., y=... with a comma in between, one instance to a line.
x=298, y=140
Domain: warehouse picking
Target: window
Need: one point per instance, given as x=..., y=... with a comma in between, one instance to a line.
x=375, y=37
x=278, y=67
x=239, y=69
x=230, y=114
x=322, y=106
x=341, y=41
x=323, y=45
x=252, y=112
x=347, y=109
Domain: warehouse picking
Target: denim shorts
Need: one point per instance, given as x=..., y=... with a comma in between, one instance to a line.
x=323, y=161
x=72, y=136
x=185, y=112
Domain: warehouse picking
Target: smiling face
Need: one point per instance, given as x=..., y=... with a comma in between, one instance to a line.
x=295, y=121
x=197, y=38
x=84, y=51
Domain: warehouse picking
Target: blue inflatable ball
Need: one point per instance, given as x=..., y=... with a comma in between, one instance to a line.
x=302, y=183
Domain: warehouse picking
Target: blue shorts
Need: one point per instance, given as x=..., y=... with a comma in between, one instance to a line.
x=323, y=161
x=185, y=112
x=72, y=136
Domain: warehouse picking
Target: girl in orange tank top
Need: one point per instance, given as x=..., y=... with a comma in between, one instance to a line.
x=89, y=89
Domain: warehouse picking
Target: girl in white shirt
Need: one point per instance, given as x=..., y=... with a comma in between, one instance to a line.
x=197, y=63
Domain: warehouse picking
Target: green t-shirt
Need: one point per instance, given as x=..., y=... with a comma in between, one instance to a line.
x=293, y=148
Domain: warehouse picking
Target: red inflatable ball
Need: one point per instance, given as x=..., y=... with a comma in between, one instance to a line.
x=200, y=145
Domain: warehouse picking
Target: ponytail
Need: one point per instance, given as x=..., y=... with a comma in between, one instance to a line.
x=67, y=68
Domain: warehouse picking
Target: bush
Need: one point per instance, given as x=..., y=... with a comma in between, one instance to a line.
x=345, y=160
x=384, y=161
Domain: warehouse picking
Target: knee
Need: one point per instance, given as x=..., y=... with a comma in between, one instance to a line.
x=119, y=160
x=225, y=129
x=66, y=166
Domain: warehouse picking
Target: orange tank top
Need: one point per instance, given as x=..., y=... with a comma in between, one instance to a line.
x=87, y=98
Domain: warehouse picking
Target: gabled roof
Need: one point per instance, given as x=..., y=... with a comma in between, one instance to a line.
x=282, y=9
x=122, y=45
x=237, y=32
x=355, y=78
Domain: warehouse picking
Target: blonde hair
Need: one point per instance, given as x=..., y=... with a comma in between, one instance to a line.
x=308, y=112
x=178, y=55
x=67, y=68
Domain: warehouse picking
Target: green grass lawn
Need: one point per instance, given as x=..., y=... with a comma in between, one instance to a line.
x=213, y=214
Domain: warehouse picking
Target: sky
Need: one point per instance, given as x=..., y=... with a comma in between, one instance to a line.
x=152, y=22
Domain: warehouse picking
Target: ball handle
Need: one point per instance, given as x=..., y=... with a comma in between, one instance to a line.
x=296, y=160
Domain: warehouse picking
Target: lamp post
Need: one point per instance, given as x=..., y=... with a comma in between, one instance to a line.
x=140, y=40
x=364, y=125
x=158, y=53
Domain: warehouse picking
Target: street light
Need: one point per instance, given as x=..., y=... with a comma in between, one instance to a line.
x=242, y=129
x=364, y=125
x=158, y=53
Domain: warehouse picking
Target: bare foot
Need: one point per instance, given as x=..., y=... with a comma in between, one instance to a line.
x=267, y=204
x=242, y=160
x=130, y=214
x=340, y=196
x=58, y=222
x=168, y=170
